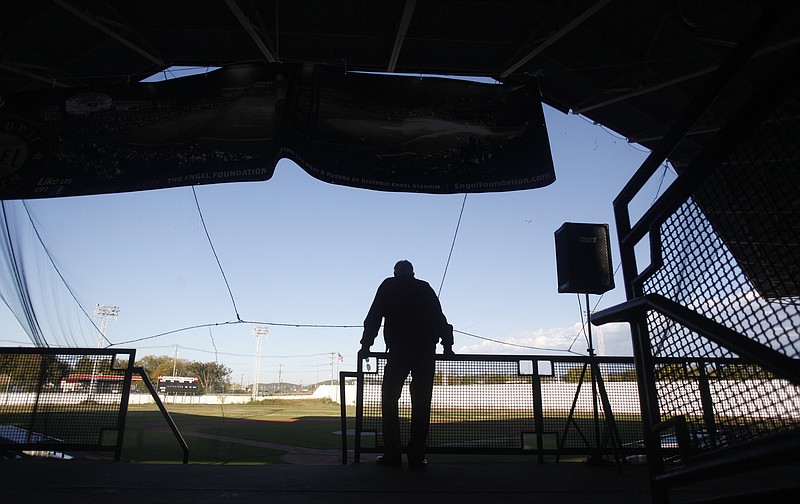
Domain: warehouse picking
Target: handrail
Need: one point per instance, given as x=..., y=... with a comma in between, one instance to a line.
x=778, y=448
x=629, y=311
x=167, y=417
x=343, y=375
x=29, y=426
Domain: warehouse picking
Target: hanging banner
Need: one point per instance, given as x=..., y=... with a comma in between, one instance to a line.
x=381, y=132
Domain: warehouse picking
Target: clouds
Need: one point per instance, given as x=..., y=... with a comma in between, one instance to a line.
x=610, y=339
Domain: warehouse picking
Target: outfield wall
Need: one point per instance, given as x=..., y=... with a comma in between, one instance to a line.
x=775, y=399
x=323, y=392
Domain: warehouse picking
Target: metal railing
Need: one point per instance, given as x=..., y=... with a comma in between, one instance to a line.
x=62, y=400
x=543, y=406
x=723, y=281
x=59, y=400
x=167, y=417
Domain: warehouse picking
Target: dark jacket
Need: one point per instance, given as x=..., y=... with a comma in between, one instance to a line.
x=412, y=315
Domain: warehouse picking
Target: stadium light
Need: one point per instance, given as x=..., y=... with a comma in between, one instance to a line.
x=105, y=312
x=259, y=332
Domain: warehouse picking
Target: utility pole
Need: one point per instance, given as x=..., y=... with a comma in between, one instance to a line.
x=280, y=377
x=259, y=332
x=175, y=362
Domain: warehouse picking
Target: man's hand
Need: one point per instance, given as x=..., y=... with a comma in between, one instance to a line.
x=362, y=354
x=448, y=351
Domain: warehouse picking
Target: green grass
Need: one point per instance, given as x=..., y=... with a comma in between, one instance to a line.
x=156, y=446
x=308, y=423
x=232, y=434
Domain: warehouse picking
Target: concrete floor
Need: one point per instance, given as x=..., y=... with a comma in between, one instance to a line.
x=79, y=481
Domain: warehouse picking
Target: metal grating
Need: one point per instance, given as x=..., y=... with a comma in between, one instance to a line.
x=489, y=404
x=619, y=380
x=714, y=316
x=61, y=400
x=730, y=252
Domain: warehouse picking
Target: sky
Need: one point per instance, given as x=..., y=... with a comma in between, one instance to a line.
x=304, y=258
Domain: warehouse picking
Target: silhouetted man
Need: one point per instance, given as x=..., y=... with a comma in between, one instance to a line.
x=413, y=325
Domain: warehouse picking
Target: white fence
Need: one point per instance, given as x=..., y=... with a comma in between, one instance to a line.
x=772, y=401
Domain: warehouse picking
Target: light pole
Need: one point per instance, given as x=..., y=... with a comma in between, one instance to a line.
x=105, y=312
x=259, y=332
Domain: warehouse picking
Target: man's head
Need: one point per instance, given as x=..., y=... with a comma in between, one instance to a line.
x=403, y=268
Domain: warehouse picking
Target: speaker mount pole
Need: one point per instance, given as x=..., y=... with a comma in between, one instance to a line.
x=598, y=391
x=594, y=370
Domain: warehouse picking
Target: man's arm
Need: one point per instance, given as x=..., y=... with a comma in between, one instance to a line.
x=372, y=323
x=445, y=328
x=447, y=338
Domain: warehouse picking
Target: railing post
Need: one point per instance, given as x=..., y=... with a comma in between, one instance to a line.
x=708, y=403
x=123, y=407
x=167, y=417
x=359, y=409
x=538, y=411
x=343, y=375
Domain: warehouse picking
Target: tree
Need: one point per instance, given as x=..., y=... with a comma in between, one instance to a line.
x=163, y=365
x=211, y=376
x=573, y=374
x=26, y=370
x=673, y=371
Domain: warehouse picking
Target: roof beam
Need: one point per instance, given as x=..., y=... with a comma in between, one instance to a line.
x=405, y=21
x=250, y=29
x=556, y=37
x=646, y=90
x=681, y=78
x=657, y=138
x=32, y=75
x=89, y=19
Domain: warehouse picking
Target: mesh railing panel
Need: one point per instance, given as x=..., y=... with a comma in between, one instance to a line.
x=496, y=417
x=475, y=404
x=487, y=404
x=63, y=399
x=565, y=388
x=730, y=252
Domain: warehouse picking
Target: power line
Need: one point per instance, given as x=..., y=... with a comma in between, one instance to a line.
x=245, y=355
x=235, y=322
x=452, y=245
x=514, y=344
x=211, y=244
x=323, y=326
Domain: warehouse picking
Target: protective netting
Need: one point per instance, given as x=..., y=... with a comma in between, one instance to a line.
x=32, y=287
x=731, y=253
x=63, y=399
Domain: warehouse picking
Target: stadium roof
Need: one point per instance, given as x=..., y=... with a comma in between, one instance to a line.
x=630, y=65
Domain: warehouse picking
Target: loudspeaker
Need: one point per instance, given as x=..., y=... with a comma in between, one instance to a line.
x=583, y=258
